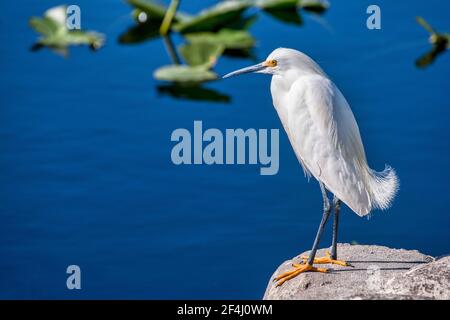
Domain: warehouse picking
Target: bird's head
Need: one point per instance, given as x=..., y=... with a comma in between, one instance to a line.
x=281, y=61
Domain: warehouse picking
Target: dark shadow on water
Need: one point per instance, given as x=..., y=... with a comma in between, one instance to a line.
x=242, y=22
x=193, y=92
x=290, y=16
x=241, y=54
x=62, y=51
x=429, y=57
x=140, y=32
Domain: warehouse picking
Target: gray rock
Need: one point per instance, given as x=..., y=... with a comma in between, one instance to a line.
x=431, y=280
x=378, y=273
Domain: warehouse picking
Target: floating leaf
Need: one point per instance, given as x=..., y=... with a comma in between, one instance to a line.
x=57, y=14
x=45, y=26
x=436, y=38
x=193, y=92
x=440, y=42
x=57, y=36
x=230, y=39
x=75, y=37
x=201, y=53
x=153, y=10
x=184, y=74
x=149, y=15
x=214, y=18
x=200, y=57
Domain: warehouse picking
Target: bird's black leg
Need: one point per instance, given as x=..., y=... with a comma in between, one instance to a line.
x=329, y=258
x=337, y=210
x=300, y=268
x=325, y=216
x=311, y=259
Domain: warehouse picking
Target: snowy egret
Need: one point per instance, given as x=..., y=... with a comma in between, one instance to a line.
x=326, y=140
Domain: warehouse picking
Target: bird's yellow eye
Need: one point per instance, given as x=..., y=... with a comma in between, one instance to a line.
x=271, y=63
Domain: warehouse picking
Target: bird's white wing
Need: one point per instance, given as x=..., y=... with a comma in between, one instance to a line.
x=332, y=114
x=326, y=137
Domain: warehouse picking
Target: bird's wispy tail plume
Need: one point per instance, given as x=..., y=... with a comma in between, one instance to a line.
x=383, y=186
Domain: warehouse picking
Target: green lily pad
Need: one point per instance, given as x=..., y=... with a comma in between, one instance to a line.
x=56, y=35
x=184, y=74
x=153, y=11
x=440, y=42
x=57, y=14
x=214, y=18
x=436, y=38
x=200, y=57
x=44, y=26
x=230, y=39
x=75, y=37
x=201, y=53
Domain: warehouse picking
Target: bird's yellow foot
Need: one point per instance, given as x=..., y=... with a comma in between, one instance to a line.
x=298, y=268
x=328, y=260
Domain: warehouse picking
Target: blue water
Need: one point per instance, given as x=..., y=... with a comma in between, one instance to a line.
x=86, y=176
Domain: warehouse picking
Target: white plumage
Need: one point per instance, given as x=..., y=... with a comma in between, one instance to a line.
x=325, y=137
x=324, y=133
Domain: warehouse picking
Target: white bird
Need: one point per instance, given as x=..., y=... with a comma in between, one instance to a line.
x=325, y=137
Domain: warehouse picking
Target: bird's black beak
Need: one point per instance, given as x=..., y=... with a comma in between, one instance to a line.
x=255, y=68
